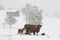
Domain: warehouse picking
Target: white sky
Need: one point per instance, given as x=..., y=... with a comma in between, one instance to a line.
x=48, y=6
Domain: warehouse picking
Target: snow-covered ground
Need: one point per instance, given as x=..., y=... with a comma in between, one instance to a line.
x=51, y=27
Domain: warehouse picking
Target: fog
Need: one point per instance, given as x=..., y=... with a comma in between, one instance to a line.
x=51, y=25
x=49, y=7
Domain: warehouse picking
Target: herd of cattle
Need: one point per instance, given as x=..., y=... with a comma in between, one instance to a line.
x=29, y=28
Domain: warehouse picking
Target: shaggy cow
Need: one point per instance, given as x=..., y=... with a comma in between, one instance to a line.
x=20, y=31
x=32, y=28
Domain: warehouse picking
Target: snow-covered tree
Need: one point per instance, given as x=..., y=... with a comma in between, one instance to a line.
x=10, y=20
x=33, y=14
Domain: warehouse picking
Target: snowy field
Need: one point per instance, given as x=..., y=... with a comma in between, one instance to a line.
x=51, y=27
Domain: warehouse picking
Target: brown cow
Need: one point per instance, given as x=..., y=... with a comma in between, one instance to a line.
x=20, y=31
x=32, y=28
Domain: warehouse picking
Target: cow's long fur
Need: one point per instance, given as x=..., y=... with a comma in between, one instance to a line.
x=20, y=31
x=32, y=28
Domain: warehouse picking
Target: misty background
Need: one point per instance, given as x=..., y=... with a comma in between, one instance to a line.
x=50, y=13
x=50, y=7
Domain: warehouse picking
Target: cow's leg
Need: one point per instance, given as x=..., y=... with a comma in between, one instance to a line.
x=26, y=32
x=20, y=33
x=33, y=33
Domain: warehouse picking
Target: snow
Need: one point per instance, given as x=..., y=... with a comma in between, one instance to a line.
x=51, y=27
